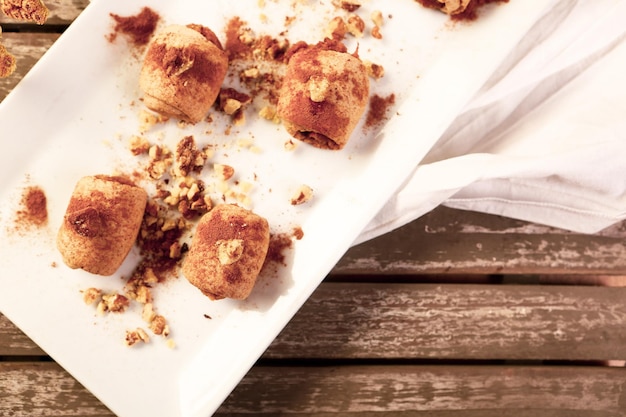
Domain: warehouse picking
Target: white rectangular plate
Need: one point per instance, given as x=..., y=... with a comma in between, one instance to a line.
x=73, y=114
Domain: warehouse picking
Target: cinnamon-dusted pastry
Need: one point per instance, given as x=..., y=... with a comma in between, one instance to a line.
x=227, y=252
x=7, y=61
x=29, y=10
x=323, y=96
x=101, y=223
x=183, y=71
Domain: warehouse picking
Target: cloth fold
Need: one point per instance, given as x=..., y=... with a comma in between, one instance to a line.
x=544, y=140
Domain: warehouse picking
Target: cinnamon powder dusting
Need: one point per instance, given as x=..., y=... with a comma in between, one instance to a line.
x=33, y=211
x=279, y=244
x=379, y=106
x=138, y=28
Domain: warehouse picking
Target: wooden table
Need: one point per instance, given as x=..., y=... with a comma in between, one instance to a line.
x=455, y=314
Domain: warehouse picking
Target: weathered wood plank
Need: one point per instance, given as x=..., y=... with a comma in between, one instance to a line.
x=448, y=241
x=344, y=320
x=62, y=12
x=469, y=391
x=426, y=321
x=44, y=389
x=27, y=48
x=13, y=342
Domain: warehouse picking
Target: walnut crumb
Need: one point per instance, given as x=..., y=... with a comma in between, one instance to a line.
x=92, y=295
x=159, y=326
x=139, y=145
x=336, y=29
x=318, y=88
x=349, y=5
x=376, y=32
x=356, y=26
x=374, y=70
x=229, y=251
x=289, y=145
x=223, y=172
x=136, y=336
x=115, y=303
x=149, y=119
x=377, y=18
x=269, y=113
x=302, y=195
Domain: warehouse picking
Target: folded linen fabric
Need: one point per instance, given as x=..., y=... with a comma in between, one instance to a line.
x=544, y=140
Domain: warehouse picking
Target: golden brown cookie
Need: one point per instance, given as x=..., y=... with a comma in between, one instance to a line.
x=183, y=71
x=227, y=252
x=101, y=223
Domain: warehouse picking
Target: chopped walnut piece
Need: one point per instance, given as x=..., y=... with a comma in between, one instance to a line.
x=115, y=303
x=147, y=119
x=356, y=26
x=251, y=73
x=377, y=18
x=91, y=295
x=147, y=313
x=269, y=113
x=233, y=102
x=231, y=106
x=188, y=157
x=223, y=172
x=159, y=326
x=160, y=161
x=374, y=70
x=318, y=88
x=302, y=195
x=376, y=32
x=349, y=5
x=28, y=10
x=229, y=251
x=138, y=287
x=290, y=145
x=336, y=29
x=135, y=336
x=139, y=145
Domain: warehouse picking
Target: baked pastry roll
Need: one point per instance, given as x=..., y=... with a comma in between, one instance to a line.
x=183, y=71
x=227, y=252
x=101, y=223
x=323, y=96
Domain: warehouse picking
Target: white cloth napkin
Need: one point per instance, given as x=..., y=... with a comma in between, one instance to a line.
x=544, y=140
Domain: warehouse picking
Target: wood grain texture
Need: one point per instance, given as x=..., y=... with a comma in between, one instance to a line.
x=425, y=321
x=13, y=342
x=422, y=390
x=449, y=241
x=44, y=389
x=27, y=48
x=343, y=320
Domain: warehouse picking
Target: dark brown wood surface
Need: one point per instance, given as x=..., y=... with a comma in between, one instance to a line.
x=455, y=314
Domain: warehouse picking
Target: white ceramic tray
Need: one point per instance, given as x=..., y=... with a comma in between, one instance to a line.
x=73, y=113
